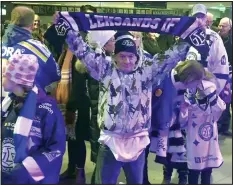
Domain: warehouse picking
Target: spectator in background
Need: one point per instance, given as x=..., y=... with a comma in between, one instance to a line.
x=210, y=20
x=78, y=101
x=36, y=21
x=225, y=31
x=47, y=145
x=150, y=43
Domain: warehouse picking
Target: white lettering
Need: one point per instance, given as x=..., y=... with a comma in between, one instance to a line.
x=137, y=22
x=165, y=24
x=100, y=21
x=155, y=23
x=118, y=21
x=92, y=25
x=126, y=22
x=9, y=51
x=172, y=24
x=108, y=21
x=146, y=23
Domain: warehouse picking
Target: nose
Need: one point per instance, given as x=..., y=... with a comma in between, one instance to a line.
x=126, y=61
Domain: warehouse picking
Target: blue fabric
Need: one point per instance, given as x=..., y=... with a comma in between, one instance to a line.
x=162, y=24
x=48, y=71
x=28, y=111
x=163, y=106
x=108, y=168
x=14, y=34
x=47, y=141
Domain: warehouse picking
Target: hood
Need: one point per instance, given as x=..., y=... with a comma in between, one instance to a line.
x=15, y=34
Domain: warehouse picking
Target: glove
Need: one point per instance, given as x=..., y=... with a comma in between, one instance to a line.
x=19, y=175
x=70, y=117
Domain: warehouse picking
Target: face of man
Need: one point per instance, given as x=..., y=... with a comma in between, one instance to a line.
x=125, y=61
x=202, y=19
x=224, y=27
x=209, y=20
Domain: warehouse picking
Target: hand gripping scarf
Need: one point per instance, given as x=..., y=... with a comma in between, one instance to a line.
x=184, y=27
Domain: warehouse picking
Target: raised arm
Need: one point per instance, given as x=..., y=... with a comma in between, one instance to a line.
x=164, y=63
x=93, y=60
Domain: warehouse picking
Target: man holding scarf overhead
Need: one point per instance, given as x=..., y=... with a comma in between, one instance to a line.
x=126, y=85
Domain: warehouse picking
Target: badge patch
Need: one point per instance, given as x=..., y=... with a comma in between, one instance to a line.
x=8, y=154
x=206, y=131
x=223, y=60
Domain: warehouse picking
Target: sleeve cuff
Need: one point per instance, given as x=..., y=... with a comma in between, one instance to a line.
x=33, y=169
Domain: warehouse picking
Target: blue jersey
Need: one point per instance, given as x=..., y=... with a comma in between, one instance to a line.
x=48, y=71
x=46, y=143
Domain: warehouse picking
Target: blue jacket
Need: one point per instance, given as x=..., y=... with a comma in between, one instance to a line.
x=48, y=72
x=46, y=146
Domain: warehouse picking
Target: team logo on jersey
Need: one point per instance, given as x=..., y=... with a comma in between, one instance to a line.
x=198, y=38
x=62, y=27
x=8, y=154
x=223, y=60
x=206, y=131
x=52, y=155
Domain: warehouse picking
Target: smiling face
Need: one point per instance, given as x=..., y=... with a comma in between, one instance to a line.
x=225, y=26
x=125, y=61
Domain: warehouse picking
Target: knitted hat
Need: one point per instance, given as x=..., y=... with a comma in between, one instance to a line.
x=22, y=69
x=199, y=8
x=100, y=37
x=125, y=42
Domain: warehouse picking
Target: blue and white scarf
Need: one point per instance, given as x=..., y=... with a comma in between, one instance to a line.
x=185, y=27
x=24, y=122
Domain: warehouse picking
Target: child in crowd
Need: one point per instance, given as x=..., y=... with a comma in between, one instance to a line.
x=33, y=130
x=200, y=112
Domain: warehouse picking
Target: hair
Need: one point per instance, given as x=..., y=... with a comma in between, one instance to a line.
x=141, y=35
x=190, y=70
x=22, y=16
x=37, y=34
x=85, y=8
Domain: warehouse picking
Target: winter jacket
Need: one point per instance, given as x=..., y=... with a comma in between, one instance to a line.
x=46, y=145
x=48, y=72
x=217, y=61
x=125, y=104
x=79, y=101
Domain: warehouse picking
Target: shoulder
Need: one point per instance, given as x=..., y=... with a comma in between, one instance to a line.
x=41, y=47
x=213, y=35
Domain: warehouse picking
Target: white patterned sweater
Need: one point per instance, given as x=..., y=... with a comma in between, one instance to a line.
x=124, y=112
